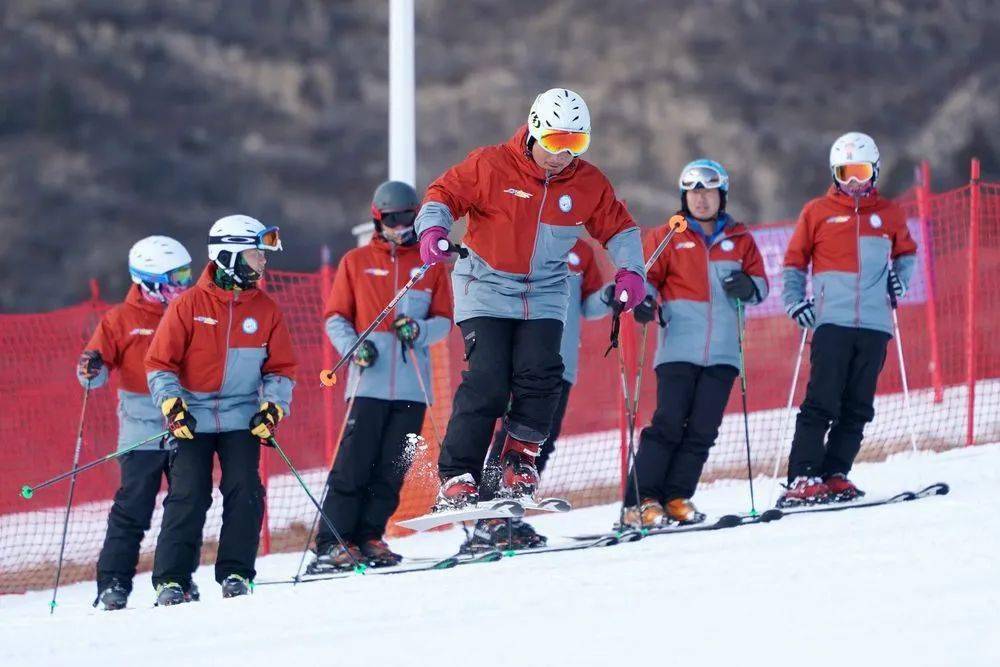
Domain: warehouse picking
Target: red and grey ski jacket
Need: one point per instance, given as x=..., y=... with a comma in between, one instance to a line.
x=585, y=291
x=521, y=226
x=223, y=352
x=122, y=338
x=702, y=325
x=849, y=243
x=367, y=279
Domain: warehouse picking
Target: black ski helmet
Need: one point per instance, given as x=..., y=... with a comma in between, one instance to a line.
x=395, y=197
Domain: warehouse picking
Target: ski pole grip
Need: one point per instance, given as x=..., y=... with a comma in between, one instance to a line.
x=444, y=245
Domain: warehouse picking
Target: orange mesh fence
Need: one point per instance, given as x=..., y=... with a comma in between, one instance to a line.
x=943, y=348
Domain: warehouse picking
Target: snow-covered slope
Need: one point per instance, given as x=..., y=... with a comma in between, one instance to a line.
x=915, y=584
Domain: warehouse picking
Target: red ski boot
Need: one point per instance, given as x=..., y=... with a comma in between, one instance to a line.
x=841, y=488
x=457, y=493
x=804, y=491
x=519, y=476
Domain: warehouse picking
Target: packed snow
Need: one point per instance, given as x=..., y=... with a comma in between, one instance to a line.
x=914, y=583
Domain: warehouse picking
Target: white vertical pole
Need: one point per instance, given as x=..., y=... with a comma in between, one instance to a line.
x=402, y=113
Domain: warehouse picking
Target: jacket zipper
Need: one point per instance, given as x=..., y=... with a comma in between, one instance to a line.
x=857, y=282
x=395, y=314
x=711, y=301
x=225, y=367
x=538, y=224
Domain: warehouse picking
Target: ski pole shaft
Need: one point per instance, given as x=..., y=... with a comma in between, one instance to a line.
x=677, y=223
x=902, y=374
x=352, y=394
x=329, y=377
x=28, y=491
x=788, y=416
x=69, y=500
x=358, y=567
x=427, y=397
x=743, y=391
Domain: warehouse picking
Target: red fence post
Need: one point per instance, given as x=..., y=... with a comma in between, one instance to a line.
x=927, y=259
x=970, y=322
x=325, y=281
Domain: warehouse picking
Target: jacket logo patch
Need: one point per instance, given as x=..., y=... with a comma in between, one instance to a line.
x=573, y=259
x=727, y=245
x=377, y=272
x=205, y=320
x=833, y=219
x=141, y=332
x=518, y=193
x=250, y=325
x=565, y=203
x=875, y=220
x=684, y=245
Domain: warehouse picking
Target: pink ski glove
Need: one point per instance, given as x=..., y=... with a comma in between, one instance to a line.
x=431, y=244
x=632, y=285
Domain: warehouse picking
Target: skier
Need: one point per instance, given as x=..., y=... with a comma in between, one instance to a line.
x=526, y=201
x=160, y=268
x=586, y=300
x=364, y=483
x=699, y=277
x=849, y=236
x=221, y=369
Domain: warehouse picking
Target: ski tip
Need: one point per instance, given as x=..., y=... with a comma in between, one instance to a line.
x=27, y=492
x=772, y=515
x=941, y=489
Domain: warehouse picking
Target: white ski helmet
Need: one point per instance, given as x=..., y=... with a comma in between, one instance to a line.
x=161, y=266
x=854, y=148
x=233, y=234
x=560, y=110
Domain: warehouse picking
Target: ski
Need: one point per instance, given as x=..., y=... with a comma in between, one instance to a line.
x=558, y=505
x=724, y=521
x=498, y=509
x=407, y=566
x=938, y=489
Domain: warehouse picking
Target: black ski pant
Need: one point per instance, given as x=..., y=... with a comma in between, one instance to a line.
x=510, y=359
x=190, y=496
x=372, y=460
x=840, y=398
x=491, y=471
x=690, y=401
x=130, y=515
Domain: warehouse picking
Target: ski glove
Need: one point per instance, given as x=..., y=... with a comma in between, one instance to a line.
x=366, y=354
x=90, y=364
x=803, y=313
x=632, y=285
x=430, y=245
x=265, y=422
x=739, y=285
x=180, y=422
x=896, y=285
x=646, y=311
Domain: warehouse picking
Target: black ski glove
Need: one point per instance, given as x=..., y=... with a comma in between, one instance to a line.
x=90, y=364
x=645, y=312
x=803, y=313
x=739, y=285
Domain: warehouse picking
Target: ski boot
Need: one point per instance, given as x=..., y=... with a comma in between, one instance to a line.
x=234, y=585
x=649, y=514
x=114, y=596
x=519, y=477
x=804, y=491
x=525, y=537
x=841, y=489
x=336, y=558
x=191, y=593
x=488, y=535
x=378, y=554
x=683, y=512
x=169, y=594
x=457, y=493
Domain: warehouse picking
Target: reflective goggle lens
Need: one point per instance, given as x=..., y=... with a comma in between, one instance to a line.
x=556, y=142
x=269, y=239
x=180, y=277
x=399, y=218
x=860, y=172
x=706, y=177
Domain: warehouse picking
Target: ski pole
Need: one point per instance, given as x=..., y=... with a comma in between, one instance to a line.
x=358, y=567
x=427, y=398
x=677, y=223
x=740, y=321
x=788, y=416
x=27, y=491
x=329, y=377
x=69, y=500
x=631, y=472
x=352, y=394
x=902, y=372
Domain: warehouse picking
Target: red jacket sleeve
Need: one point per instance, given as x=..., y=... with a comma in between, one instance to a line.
x=902, y=242
x=105, y=340
x=171, y=340
x=592, y=280
x=458, y=188
x=340, y=300
x=753, y=262
x=800, y=246
x=280, y=354
x=610, y=217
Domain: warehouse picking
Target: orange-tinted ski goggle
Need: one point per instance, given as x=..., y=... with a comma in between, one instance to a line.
x=557, y=141
x=859, y=171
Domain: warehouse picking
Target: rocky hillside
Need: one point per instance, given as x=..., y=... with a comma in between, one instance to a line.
x=121, y=118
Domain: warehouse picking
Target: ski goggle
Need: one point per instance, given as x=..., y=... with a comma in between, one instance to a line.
x=557, y=141
x=179, y=277
x=859, y=171
x=398, y=218
x=704, y=177
x=266, y=239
